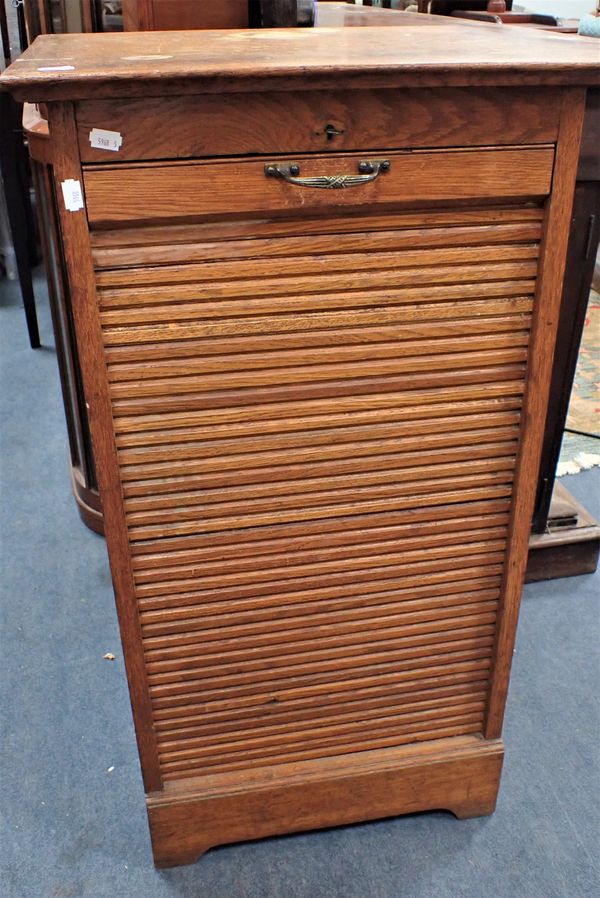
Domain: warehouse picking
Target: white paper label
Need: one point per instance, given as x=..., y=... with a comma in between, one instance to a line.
x=105, y=140
x=72, y=195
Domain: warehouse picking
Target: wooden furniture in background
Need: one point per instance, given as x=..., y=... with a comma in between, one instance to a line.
x=80, y=16
x=166, y=15
x=83, y=469
x=279, y=13
x=347, y=14
x=14, y=183
x=527, y=20
x=58, y=17
x=570, y=545
x=449, y=7
x=566, y=538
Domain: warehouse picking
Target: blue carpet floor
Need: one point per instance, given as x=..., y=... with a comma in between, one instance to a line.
x=73, y=819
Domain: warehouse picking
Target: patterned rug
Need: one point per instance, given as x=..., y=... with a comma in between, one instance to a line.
x=580, y=452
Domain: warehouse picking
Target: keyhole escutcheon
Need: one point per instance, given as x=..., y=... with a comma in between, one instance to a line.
x=331, y=131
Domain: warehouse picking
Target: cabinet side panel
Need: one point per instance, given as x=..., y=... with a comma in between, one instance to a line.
x=79, y=266
x=546, y=315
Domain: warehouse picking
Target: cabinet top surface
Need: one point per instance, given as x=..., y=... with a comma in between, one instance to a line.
x=79, y=66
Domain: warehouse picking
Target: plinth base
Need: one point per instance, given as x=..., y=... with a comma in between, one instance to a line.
x=188, y=817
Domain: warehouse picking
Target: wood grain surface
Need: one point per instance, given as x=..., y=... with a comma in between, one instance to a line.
x=537, y=396
x=323, y=121
x=98, y=66
x=317, y=438
x=462, y=774
x=317, y=414
x=163, y=192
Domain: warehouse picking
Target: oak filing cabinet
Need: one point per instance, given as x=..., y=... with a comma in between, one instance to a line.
x=315, y=279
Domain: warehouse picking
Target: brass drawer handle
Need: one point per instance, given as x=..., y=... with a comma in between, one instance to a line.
x=368, y=171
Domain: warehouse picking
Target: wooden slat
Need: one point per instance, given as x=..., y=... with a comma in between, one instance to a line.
x=215, y=756
x=438, y=456
x=189, y=769
x=179, y=742
x=304, y=433
x=356, y=386
x=375, y=560
x=168, y=581
x=329, y=689
x=325, y=500
x=413, y=403
x=189, y=624
x=272, y=713
x=438, y=585
x=455, y=303
x=320, y=372
x=296, y=266
x=200, y=525
x=274, y=357
x=313, y=670
x=407, y=694
x=340, y=651
x=152, y=252
x=456, y=705
x=361, y=669
x=323, y=533
x=287, y=651
x=324, y=446
x=228, y=230
x=210, y=749
x=174, y=565
x=417, y=593
x=322, y=499
x=174, y=302
x=345, y=651
x=282, y=654
x=274, y=351
x=334, y=601
x=363, y=413
x=270, y=487
x=327, y=336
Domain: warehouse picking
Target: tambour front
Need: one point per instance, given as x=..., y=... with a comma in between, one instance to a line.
x=316, y=307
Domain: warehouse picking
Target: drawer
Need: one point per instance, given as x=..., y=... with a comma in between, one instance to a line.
x=180, y=191
x=317, y=121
